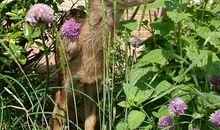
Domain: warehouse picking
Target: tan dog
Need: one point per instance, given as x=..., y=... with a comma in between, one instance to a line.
x=86, y=59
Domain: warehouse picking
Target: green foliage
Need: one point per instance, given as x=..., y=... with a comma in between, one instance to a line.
x=176, y=60
x=135, y=118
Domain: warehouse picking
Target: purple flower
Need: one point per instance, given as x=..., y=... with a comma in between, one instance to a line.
x=70, y=29
x=134, y=41
x=215, y=118
x=166, y=121
x=40, y=12
x=214, y=81
x=177, y=106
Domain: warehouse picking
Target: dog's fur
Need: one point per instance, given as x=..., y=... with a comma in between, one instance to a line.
x=86, y=59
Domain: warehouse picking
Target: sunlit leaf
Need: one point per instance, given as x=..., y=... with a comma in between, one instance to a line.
x=135, y=118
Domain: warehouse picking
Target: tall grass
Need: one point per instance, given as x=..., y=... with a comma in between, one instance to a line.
x=177, y=60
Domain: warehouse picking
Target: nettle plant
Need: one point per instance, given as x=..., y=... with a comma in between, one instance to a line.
x=175, y=82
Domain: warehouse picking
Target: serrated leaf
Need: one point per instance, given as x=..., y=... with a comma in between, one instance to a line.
x=216, y=9
x=209, y=36
x=174, y=4
x=177, y=17
x=135, y=118
x=133, y=93
x=161, y=87
x=122, y=126
x=163, y=27
x=195, y=62
x=137, y=73
x=215, y=23
x=203, y=32
x=158, y=56
x=130, y=91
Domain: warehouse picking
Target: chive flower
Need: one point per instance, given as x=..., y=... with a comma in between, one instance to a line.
x=214, y=81
x=70, y=29
x=177, y=106
x=166, y=122
x=40, y=13
x=134, y=41
x=215, y=118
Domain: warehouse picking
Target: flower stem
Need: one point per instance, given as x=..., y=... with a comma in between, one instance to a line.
x=47, y=67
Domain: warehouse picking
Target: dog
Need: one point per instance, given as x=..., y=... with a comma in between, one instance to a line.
x=85, y=60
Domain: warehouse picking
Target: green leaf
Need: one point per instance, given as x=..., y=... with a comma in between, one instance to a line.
x=203, y=32
x=22, y=59
x=149, y=127
x=161, y=87
x=11, y=14
x=216, y=9
x=5, y=60
x=128, y=24
x=5, y=2
x=215, y=23
x=184, y=92
x=133, y=93
x=156, y=4
x=135, y=118
x=195, y=62
x=36, y=33
x=123, y=104
x=162, y=111
x=27, y=31
x=137, y=73
x=164, y=93
x=158, y=56
x=192, y=53
x=177, y=17
x=40, y=45
x=122, y=126
x=213, y=98
x=16, y=50
x=174, y=4
x=163, y=27
x=214, y=68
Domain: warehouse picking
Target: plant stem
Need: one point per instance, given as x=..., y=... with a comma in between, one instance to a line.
x=180, y=43
x=203, y=10
x=47, y=66
x=209, y=61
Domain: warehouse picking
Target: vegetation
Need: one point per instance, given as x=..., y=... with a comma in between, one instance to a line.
x=172, y=83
